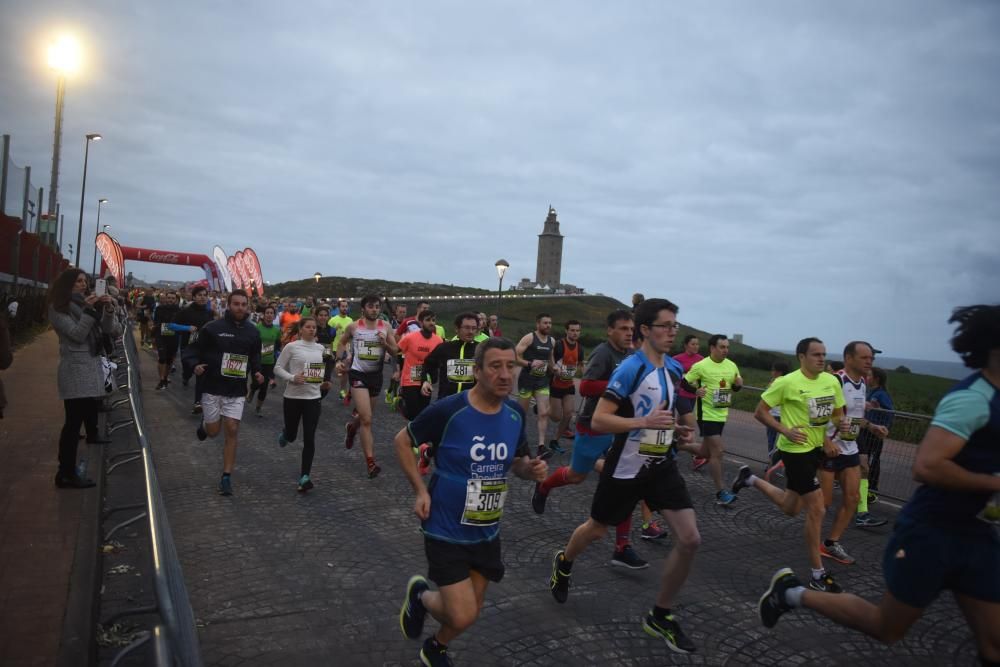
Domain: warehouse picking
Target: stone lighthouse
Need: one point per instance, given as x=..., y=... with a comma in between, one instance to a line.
x=550, y=242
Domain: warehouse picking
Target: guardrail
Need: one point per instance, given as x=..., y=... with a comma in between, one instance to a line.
x=173, y=641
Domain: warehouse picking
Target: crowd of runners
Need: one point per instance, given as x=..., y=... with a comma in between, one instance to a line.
x=643, y=403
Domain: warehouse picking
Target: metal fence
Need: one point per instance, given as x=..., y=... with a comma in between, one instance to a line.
x=173, y=640
x=892, y=459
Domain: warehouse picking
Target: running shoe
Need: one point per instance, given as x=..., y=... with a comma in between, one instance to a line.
x=773, y=603
x=544, y=453
x=866, y=520
x=559, y=581
x=698, y=462
x=258, y=412
x=389, y=397
x=200, y=432
x=225, y=486
x=538, y=499
x=196, y=410
x=669, y=630
x=774, y=470
x=627, y=557
x=653, y=531
x=162, y=384
x=434, y=655
x=741, y=479
x=424, y=462
x=282, y=440
x=345, y=397
x=413, y=612
x=352, y=430
x=825, y=584
x=373, y=470
x=725, y=498
x=836, y=552
x=556, y=447
x=305, y=483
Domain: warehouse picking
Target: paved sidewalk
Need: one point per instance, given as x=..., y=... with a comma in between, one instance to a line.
x=278, y=578
x=47, y=536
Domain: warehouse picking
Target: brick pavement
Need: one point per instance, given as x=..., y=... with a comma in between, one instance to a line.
x=48, y=548
x=280, y=578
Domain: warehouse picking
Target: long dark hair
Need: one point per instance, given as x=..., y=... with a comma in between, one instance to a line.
x=61, y=289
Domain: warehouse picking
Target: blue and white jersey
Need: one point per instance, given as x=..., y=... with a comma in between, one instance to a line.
x=639, y=387
x=473, y=452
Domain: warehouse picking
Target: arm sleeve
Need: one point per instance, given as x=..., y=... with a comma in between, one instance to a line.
x=429, y=424
x=772, y=395
x=692, y=377
x=962, y=412
x=281, y=366
x=179, y=328
x=620, y=384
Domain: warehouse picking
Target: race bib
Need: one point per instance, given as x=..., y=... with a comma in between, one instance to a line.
x=539, y=371
x=820, y=410
x=722, y=398
x=234, y=365
x=567, y=373
x=854, y=431
x=165, y=330
x=416, y=373
x=266, y=349
x=370, y=350
x=313, y=372
x=460, y=370
x=654, y=442
x=484, y=500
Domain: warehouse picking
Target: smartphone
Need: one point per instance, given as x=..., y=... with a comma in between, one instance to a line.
x=100, y=287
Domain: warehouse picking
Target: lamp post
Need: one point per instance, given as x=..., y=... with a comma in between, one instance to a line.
x=97, y=230
x=64, y=58
x=317, y=276
x=502, y=267
x=83, y=194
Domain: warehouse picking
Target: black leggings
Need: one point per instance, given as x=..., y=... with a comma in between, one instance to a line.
x=306, y=409
x=267, y=370
x=79, y=412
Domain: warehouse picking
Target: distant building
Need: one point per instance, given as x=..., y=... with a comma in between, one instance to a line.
x=550, y=242
x=737, y=338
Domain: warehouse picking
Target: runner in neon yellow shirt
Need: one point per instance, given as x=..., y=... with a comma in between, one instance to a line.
x=341, y=321
x=810, y=399
x=713, y=380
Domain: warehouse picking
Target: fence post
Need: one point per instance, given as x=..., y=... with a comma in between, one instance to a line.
x=3, y=174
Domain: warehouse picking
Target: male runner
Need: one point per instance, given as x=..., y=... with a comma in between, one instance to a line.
x=227, y=350
x=568, y=355
x=478, y=437
x=270, y=346
x=341, y=320
x=534, y=355
x=369, y=338
x=946, y=535
x=589, y=446
x=810, y=399
x=713, y=381
x=415, y=347
x=166, y=338
x=845, y=467
x=484, y=331
x=289, y=317
x=187, y=323
x=411, y=324
x=638, y=406
x=451, y=363
x=686, y=399
x=146, y=305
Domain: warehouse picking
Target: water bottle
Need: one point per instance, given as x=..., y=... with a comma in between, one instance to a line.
x=81, y=468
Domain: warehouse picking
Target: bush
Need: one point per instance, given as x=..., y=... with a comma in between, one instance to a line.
x=902, y=369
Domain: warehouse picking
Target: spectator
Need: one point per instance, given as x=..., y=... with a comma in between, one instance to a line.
x=6, y=357
x=880, y=413
x=495, y=327
x=80, y=320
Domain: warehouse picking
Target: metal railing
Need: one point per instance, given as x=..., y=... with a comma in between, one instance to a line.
x=173, y=641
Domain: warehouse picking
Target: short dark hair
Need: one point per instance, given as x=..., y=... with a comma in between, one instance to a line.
x=647, y=311
x=713, y=340
x=572, y=322
x=369, y=299
x=494, y=343
x=322, y=309
x=616, y=316
x=837, y=366
x=423, y=303
x=977, y=334
x=851, y=349
x=803, y=345
x=237, y=292
x=689, y=338
x=427, y=313
x=780, y=366
x=461, y=317
x=271, y=308
x=195, y=291
x=540, y=316
x=882, y=377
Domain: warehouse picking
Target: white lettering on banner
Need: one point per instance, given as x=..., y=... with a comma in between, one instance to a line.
x=165, y=258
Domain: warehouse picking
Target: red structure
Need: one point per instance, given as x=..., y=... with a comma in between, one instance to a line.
x=35, y=262
x=206, y=263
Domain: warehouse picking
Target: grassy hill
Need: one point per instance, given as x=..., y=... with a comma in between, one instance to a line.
x=912, y=392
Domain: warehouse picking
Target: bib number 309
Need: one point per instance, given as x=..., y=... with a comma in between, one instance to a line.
x=484, y=499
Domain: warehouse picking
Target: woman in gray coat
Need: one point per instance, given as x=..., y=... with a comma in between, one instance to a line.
x=79, y=320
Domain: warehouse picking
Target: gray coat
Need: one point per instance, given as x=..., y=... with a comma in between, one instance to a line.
x=81, y=373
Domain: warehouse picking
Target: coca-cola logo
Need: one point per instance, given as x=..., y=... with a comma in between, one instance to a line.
x=165, y=258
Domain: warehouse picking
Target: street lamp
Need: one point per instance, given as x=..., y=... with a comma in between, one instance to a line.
x=64, y=58
x=97, y=230
x=317, y=276
x=83, y=193
x=502, y=267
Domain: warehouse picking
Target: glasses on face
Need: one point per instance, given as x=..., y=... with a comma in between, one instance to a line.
x=667, y=325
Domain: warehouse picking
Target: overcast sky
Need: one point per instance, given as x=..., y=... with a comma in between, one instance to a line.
x=780, y=169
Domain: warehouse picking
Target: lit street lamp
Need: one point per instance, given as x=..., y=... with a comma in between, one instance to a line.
x=83, y=193
x=502, y=267
x=317, y=276
x=97, y=230
x=64, y=58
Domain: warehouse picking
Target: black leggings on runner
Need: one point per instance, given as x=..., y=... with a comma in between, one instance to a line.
x=267, y=370
x=306, y=409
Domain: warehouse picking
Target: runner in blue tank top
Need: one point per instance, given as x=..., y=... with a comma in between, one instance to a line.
x=477, y=437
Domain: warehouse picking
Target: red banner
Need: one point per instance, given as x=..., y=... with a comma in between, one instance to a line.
x=234, y=273
x=253, y=265
x=112, y=255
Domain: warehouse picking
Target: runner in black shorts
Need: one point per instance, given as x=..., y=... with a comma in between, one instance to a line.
x=638, y=407
x=166, y=338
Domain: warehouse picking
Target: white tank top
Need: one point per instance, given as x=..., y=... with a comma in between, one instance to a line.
x=369, y=352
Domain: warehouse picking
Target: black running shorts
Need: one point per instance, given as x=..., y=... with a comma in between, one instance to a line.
x=166, y=351
x=709, y=429
x=560, y=392
x=414, y=402
x=449, y=563
x=661, y=486
x=370, y=381
x=842, y=462
x=801, y=469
